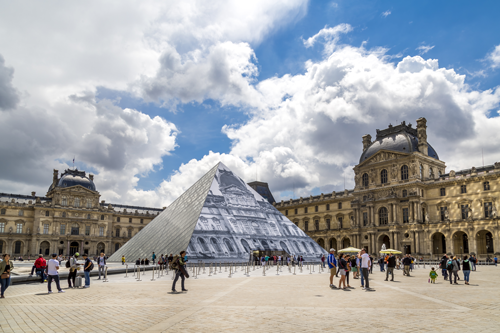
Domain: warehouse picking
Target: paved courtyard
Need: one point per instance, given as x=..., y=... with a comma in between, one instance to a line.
x=284, y=303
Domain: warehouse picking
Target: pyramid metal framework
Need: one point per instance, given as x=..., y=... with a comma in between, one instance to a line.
x=219, y=218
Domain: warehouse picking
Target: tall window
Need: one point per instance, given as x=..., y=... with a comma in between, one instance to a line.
x=17, y=246
x=488, y=208
x=365, y=219
x=118, y=219
x=129, y=233
x=306, y=225
x=47, y=213
x=327, y=206
x=62, y=229
x=77, y=202
x=87, y=230
x=364, y=179
x=406, y=217
x=101, y=231
x=442, y=212
x=442, y=191
x=75, y=229
x=465, y=212
x=19, y=228
x=130, y=220
x=405, y=193
x=21, y=213
x=88, y=216
x=3, y=211
x=286, y=212
x=421, y=172
x=305, y=210
x=64, y=214
x=486, y=186
x=316, y=225
x=296, y=210
x=328, y=224
x=64, y=201
x=404, y=172
x=383, y=216
x=340, y=205
x=2, y=227
x=340, y=222
x=463, y=188
x=89, y=203
x=142, y=220
x=383, y=176
x=102, y=217
x=117, y=233
x=45, y=229
x=316, y=209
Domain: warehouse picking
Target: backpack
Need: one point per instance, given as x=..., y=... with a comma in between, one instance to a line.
x=68, y=264
x=91, y=267
x=174, y=264
x=449, y=265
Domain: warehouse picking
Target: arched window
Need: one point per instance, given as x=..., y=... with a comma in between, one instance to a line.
x=383, y=216
x=365, y=179
x=228, y=244
x=404, y=172
x=77, y=202
x=383, y=176
x=203, y=245
x=405, y=193
x=245, y=245
x=216, y=245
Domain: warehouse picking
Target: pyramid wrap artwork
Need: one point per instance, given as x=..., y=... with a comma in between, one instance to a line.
x=220, y=218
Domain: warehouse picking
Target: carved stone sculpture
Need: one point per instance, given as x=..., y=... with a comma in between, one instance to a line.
x=452, y=173
x=394, y=172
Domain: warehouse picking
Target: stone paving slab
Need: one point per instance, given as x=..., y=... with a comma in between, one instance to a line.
x=284, y=303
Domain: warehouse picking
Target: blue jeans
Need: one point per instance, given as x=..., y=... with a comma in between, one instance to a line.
x=466, y=276
x=362, y=279
x=445, y=273
x=382, y=267
x=5, y=284
x=87, y=278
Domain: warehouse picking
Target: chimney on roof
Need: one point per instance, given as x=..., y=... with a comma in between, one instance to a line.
x=422, y=136
x=55, y=178
x=91, y=177
x=103, y=201
x=367, y=140
x=33, y=194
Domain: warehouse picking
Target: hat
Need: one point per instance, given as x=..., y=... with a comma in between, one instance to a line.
x=77, y=254
x=54, y=255
x=332, y=250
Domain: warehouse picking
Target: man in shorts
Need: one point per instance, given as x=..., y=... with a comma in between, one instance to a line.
x=332, y=264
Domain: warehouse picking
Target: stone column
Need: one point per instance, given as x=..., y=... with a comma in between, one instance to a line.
x=81, y=247
x=473, y=242
x=390, y=214
x=377, y=222
x=449, y=245
x=372, y=238
x=392, y=240
x=396, y=241
x=372, y=215
x=417, y=242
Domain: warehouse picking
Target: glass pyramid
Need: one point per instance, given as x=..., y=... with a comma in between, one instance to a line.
x=220, y=218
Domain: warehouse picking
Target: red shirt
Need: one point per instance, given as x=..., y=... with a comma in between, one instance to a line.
x=40, y=263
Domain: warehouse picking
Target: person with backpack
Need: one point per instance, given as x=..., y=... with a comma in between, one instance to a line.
x=466, y=268
x=452, y=268
x=87, y=268
x=180, y=272
x=72, y=264
x=40, y=265
x=442, y=264
x=101, y=264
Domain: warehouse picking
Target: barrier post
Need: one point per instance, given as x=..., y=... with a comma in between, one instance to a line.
x=210, y=270
x=153, y=277
x=264, y=270
x=229, y=271
x=139, y=273
x=126, y=270
x=278, y=269
x=105, y=274
x=294, y=269
x=144, y=272
x=159, y=269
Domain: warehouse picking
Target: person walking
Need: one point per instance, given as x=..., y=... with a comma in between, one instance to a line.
x=442, y=264
x=366, y=264
x=452, y=268
x=101, y=264
x=342, y=271
x=332, y=265
x=406, y=264
x=178, y=265
x=381, y=264
x=86, y=270
x=391, y=264
x=495, y=260
x=347, y=269
x=153, y=258
x=433, y=275
x=6, y=266
x=473, y=261
x=466, y=268
x=123, y=260
x=40, y=265
x=53, y=274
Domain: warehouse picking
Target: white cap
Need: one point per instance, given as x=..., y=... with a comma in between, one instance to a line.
x=332, y=250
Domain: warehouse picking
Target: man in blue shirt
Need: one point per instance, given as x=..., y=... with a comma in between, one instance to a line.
x=332, y=264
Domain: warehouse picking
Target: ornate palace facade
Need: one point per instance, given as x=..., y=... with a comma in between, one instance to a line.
x=68, y=219
x=403, y=198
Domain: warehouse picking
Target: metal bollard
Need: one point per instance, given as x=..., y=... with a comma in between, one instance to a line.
x=277, y=269
x=264, y=270
x=210, y=270
x=310, y=272
x=230, y=271
x=139, y=273
x=313, y=267
x=159, y=269
x=203, y=268
x=144, y=272
x=126, y=270
x=294, y=269
x=153, y=277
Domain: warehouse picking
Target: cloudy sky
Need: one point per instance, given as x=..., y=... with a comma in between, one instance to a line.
x=149, y=95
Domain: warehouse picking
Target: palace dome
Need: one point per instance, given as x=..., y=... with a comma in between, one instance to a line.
x=73, y=178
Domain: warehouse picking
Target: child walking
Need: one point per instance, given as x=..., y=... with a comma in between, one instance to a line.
x=433, y=275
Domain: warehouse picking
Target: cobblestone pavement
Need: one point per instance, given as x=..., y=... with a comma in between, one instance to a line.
x=284, y=303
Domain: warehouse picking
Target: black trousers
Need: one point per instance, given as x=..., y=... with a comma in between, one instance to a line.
x=454, y=274
x=56, y=280
x=71, y=277
x=364, y=271
x=178, y=274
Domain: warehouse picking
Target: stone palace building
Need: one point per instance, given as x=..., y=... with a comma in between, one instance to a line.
x=68, y=219
x=405, y=199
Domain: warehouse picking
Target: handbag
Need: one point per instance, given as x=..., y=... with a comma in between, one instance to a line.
x=5, y=275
